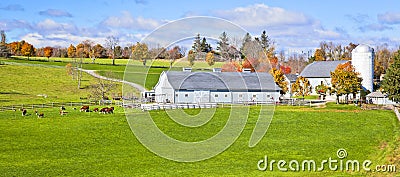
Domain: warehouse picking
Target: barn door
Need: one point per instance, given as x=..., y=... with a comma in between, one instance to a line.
x=202, y=96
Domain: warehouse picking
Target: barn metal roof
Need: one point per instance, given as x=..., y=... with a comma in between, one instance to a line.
x=321, y=69
x=221, y=81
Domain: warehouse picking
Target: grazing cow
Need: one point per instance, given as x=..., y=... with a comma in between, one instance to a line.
x=96, y=110
x=103, y=110
x=62, y=112
x=41, y=115
x=24, y=111
x=84, y=108
x=110, y=110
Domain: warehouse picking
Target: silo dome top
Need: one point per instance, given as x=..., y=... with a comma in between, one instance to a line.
x=362, y=48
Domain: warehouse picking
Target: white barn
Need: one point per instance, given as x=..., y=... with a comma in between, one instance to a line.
x=215, y=87
x=320, y=72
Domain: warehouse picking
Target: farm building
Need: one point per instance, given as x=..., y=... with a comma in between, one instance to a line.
x=320, y=72
x=215, y=87
x=362, y=59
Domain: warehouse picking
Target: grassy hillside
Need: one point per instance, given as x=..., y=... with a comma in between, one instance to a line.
x=41, y=84
x=103, y=145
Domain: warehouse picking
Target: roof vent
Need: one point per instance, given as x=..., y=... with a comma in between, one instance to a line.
x=246, y=70
x=187, y=69
x=217, y=70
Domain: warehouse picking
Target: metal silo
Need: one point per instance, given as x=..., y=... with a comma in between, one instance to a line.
x=363, y=61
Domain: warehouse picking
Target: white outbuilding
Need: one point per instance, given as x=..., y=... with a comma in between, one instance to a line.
x=215, y=87
x=320, y=72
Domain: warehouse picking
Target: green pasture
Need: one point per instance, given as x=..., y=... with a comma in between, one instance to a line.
x=38, y=84
x=92, y=144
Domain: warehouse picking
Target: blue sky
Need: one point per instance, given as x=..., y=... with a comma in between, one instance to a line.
x=292, y=24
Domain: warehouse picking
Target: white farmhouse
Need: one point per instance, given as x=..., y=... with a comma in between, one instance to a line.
x=320, y=72
x=215, y=87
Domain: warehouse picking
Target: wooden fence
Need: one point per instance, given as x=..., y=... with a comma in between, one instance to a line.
x=53, y=105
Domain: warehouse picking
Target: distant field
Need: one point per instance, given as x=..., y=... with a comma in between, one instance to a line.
x=136, y=71
x=159, y=62
x=92, y=144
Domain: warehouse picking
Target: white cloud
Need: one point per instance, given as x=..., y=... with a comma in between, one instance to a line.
x=262, y=15
x=127, y=21
x=55, y=13
x=50, y=26
x=389, y=18
x=288, y=28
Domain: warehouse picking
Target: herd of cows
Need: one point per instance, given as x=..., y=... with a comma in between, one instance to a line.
x=105, y=110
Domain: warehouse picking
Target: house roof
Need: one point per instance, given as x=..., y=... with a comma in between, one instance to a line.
x=376, y=95
x=321, y=69
x=292, y=77
x=233, y=81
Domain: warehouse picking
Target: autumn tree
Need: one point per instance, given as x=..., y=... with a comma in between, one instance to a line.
x=140, y=52
x=48, y=52
x=279, y=79
x=191, y=57
x=391, y=81
x=15, y=48
x=319, y=55
x=231, y=67
x=301, y=87
x=345, y=81
x=99, y=51
x=111, y=43
x=251, y=63
x=321, y=89
x=210, y=58
x=175, y=53
x=71, y=51
x=80, y=50
x=382, y=60
x=27, y=49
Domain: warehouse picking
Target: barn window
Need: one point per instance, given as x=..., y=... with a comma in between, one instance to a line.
x=254, y=96
x=268, y=96
x=186, y=95
x=240, y=95
x=226, y=95
x=216, y=95
x=176, y=95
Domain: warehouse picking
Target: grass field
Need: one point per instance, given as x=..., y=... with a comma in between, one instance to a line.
x=94, y=144
x=136, y=71
x=40, y=84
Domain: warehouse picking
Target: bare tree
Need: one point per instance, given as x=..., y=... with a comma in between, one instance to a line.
x=111, y=43
x=100, y=89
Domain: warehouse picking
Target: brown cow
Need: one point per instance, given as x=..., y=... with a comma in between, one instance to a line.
x=103, y=110
x=84, y=108
x=96, y=110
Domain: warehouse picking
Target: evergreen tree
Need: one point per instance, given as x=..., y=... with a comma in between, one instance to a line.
x=223, y=45
x=391, y=82
x=205, y=47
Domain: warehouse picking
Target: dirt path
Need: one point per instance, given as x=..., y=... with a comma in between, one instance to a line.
x=134, y=85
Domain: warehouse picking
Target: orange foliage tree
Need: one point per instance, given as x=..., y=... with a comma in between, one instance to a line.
x=48, y=51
